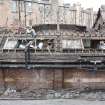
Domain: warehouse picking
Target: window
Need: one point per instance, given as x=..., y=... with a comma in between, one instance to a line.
x=10, y=44
x=87, y=43
x=1, y=1
x=14, y=6
x=29, y=6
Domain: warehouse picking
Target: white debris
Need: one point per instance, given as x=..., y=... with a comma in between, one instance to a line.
x=40, y=46
x=9, y=91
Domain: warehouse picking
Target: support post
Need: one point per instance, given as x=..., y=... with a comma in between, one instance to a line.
x=25, y=13
x=27, y=57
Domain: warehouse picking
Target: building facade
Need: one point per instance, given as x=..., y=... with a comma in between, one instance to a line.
x=72, y=59
x=31, y=12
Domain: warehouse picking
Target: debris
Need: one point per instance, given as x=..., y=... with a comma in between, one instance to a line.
x=9, y=91
x=52, y=94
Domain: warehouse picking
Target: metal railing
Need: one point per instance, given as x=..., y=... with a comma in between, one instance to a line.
x=64, y=51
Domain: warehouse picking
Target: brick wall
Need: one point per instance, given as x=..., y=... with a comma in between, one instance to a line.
x=83, y=79
x=2, y=85
x=31, y=79
x=51, y=79
x=42, y=13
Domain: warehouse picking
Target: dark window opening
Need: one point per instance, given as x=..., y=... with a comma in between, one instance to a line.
x=94, y=44
x=98, y=44
x=87, y=43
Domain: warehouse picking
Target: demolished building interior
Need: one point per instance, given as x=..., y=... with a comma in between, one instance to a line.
x=69, y=58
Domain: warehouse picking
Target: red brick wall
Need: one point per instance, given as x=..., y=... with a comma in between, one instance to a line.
x=2, y=86
x=82, y=79
x=32, y=79
x=27, y=79
x=50, y=78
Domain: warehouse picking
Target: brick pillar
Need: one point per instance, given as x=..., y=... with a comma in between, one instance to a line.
x=2, y=81
x=57, y=79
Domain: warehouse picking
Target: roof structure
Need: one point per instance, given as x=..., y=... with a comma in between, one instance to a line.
x=103, y=13
x=100, y=20
x=58, y=56
x=62, y=26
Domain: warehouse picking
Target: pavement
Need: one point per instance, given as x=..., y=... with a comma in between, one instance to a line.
x=51, y=102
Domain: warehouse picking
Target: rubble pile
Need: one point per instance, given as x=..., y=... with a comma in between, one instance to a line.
x=10, y=93
x=52, y=94
x=99, y=95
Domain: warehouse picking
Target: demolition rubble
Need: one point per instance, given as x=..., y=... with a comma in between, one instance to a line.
x=40, y=94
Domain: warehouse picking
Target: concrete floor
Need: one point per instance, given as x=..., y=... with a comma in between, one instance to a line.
x=51, y=102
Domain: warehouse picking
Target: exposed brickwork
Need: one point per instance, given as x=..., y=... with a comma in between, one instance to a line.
x=2, y=86
x=82, y=79
x=51, y=79
x=58, y=79
x=32, y=79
